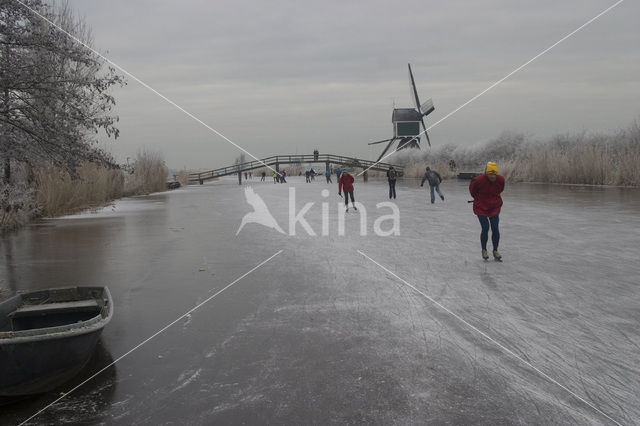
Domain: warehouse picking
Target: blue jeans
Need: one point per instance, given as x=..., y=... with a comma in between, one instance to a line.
x=433, y=197
x=485, y=222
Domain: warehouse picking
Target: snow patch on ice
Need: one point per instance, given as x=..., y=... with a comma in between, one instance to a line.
x=185, y=381
x=187, y=321
x=118, y=208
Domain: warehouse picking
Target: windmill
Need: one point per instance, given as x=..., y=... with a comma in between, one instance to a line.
x=407, y=121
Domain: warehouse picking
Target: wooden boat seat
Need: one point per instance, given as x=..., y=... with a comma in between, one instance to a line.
x=61, y=307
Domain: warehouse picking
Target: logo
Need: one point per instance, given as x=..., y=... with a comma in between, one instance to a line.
x=385, y=225
x=260, y=214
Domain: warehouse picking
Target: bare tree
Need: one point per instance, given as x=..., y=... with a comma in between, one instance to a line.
x=240, y=160
x=54, y=92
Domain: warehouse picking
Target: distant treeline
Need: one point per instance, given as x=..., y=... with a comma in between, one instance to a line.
x=589, y=159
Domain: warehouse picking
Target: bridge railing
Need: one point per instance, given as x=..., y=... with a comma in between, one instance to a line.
x=291, y=159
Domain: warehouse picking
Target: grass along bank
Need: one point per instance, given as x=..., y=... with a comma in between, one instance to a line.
x=597, y=159
x=148, y=174
x=49, y=191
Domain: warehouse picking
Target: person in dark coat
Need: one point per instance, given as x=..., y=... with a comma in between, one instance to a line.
x=391, y=178
x=346, y=183
x=434, y=180
x=485, y=190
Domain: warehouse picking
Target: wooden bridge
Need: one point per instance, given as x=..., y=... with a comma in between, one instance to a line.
x=278, y=160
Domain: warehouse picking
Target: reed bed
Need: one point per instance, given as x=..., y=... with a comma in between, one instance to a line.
x=58, y=193
x=588, y=159
x=149, y=174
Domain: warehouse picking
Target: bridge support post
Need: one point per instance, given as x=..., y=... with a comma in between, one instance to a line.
x=201, y=181
x=326, y=169
x=278, y=167
x=365, y=176
x=239, y=178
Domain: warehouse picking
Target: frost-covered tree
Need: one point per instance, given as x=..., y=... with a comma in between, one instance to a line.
x=54, y=92
x=241, y=159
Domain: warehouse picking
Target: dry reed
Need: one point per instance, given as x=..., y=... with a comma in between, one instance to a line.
x=149, y=174
x=572, y=159
x=58, y=193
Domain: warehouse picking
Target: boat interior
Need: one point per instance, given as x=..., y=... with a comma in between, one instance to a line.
x=51, y=308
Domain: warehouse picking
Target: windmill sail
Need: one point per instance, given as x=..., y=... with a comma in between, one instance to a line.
x=427, y=107
x=416, y=99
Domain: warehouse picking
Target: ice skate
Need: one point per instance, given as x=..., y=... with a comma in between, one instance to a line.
x=485, y=254
x=355, y=208
x=442, y=197
x=497, y=255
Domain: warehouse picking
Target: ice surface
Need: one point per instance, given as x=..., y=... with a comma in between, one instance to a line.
x=120, y=207
x=322, y=335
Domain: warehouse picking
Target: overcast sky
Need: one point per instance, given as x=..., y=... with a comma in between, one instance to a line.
x=285, y=77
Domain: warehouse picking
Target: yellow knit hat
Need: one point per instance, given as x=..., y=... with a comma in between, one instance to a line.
x=492, y=168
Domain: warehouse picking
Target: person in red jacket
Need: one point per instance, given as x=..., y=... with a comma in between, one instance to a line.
x=346, y=182
x=485, y=190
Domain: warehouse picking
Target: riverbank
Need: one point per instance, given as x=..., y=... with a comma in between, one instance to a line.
x=51, y=192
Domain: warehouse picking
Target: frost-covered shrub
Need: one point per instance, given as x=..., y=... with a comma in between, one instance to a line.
x=596, y=159
x=183, y=177
x=17, y=206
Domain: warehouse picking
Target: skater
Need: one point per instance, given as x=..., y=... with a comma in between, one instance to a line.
x=264, y=175
x=327, y=174
x=245, y=175
x=434, y=179
x=275, y=177
x=391, y=177
x=307, y=175
x=283, y=176
x=251, y=175
x=485, y=190
x=346, y=183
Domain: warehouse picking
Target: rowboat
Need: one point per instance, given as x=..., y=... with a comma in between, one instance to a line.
x=48, y=336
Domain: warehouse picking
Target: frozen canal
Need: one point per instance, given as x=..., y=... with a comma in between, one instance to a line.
x=323, y=334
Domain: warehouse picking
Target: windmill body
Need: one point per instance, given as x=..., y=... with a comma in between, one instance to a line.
x=407, y=123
